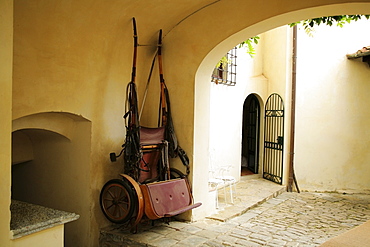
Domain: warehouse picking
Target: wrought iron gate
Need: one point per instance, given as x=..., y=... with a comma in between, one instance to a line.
x=274, y=139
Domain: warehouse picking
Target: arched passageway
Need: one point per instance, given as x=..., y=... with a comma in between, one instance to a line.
x=201, y=140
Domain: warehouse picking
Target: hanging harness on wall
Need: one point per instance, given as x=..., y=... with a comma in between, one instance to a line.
x=131, y=148
x=166, y=117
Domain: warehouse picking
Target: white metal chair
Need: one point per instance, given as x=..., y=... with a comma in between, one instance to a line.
x=215, y=184
x=228, y=181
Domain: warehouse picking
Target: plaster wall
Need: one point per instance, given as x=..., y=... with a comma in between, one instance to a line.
x=332, y=110
x=6, y=61
x=226, y=109
x=75, y=56
x=22, y=150
x=275, y=61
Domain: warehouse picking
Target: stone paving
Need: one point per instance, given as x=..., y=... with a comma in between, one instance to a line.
x=289, y=219
x=251, y=191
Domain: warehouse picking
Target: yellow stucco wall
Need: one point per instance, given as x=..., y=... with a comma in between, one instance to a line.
x=75, y=57
x=6, y=48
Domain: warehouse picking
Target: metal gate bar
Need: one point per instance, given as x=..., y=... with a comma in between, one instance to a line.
x=274, y=139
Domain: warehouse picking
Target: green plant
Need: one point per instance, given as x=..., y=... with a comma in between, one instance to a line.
x=339, y=20
x=222, y=61
x=249, y=43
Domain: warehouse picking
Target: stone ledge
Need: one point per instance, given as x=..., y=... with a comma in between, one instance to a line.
x=27, y=218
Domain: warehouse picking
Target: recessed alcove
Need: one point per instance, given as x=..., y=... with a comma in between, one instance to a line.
x=51, y=166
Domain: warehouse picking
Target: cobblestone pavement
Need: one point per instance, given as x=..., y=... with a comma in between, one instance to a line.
x=290, y=219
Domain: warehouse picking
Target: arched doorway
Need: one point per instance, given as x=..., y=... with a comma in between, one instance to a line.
x=250, y=135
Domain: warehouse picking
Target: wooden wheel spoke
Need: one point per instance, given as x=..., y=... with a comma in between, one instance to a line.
x=111, y=194
x=110, y=206
x=127, y=203
x=107, y=199
x=124, y=209
x=124, y=202
x=115, y=210
x=123, y=198
x=120, y=194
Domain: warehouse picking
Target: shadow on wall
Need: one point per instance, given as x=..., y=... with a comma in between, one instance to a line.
x=51, y=166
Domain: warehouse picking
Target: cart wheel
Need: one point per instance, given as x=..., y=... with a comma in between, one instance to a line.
x=174, y=173
x=117, y=201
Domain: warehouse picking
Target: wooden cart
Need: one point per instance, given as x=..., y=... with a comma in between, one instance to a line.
x=148, y=187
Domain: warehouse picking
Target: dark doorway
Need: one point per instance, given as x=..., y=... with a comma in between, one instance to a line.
x=250, y=135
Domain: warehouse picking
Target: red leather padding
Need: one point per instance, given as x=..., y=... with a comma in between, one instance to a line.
x=151, y=135
x=167, y=198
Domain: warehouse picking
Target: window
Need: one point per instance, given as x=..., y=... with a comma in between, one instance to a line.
x=225, y=70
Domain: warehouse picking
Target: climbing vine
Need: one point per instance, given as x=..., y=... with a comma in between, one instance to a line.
x=338, y=20
x=308, y=25
x=249, y=43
